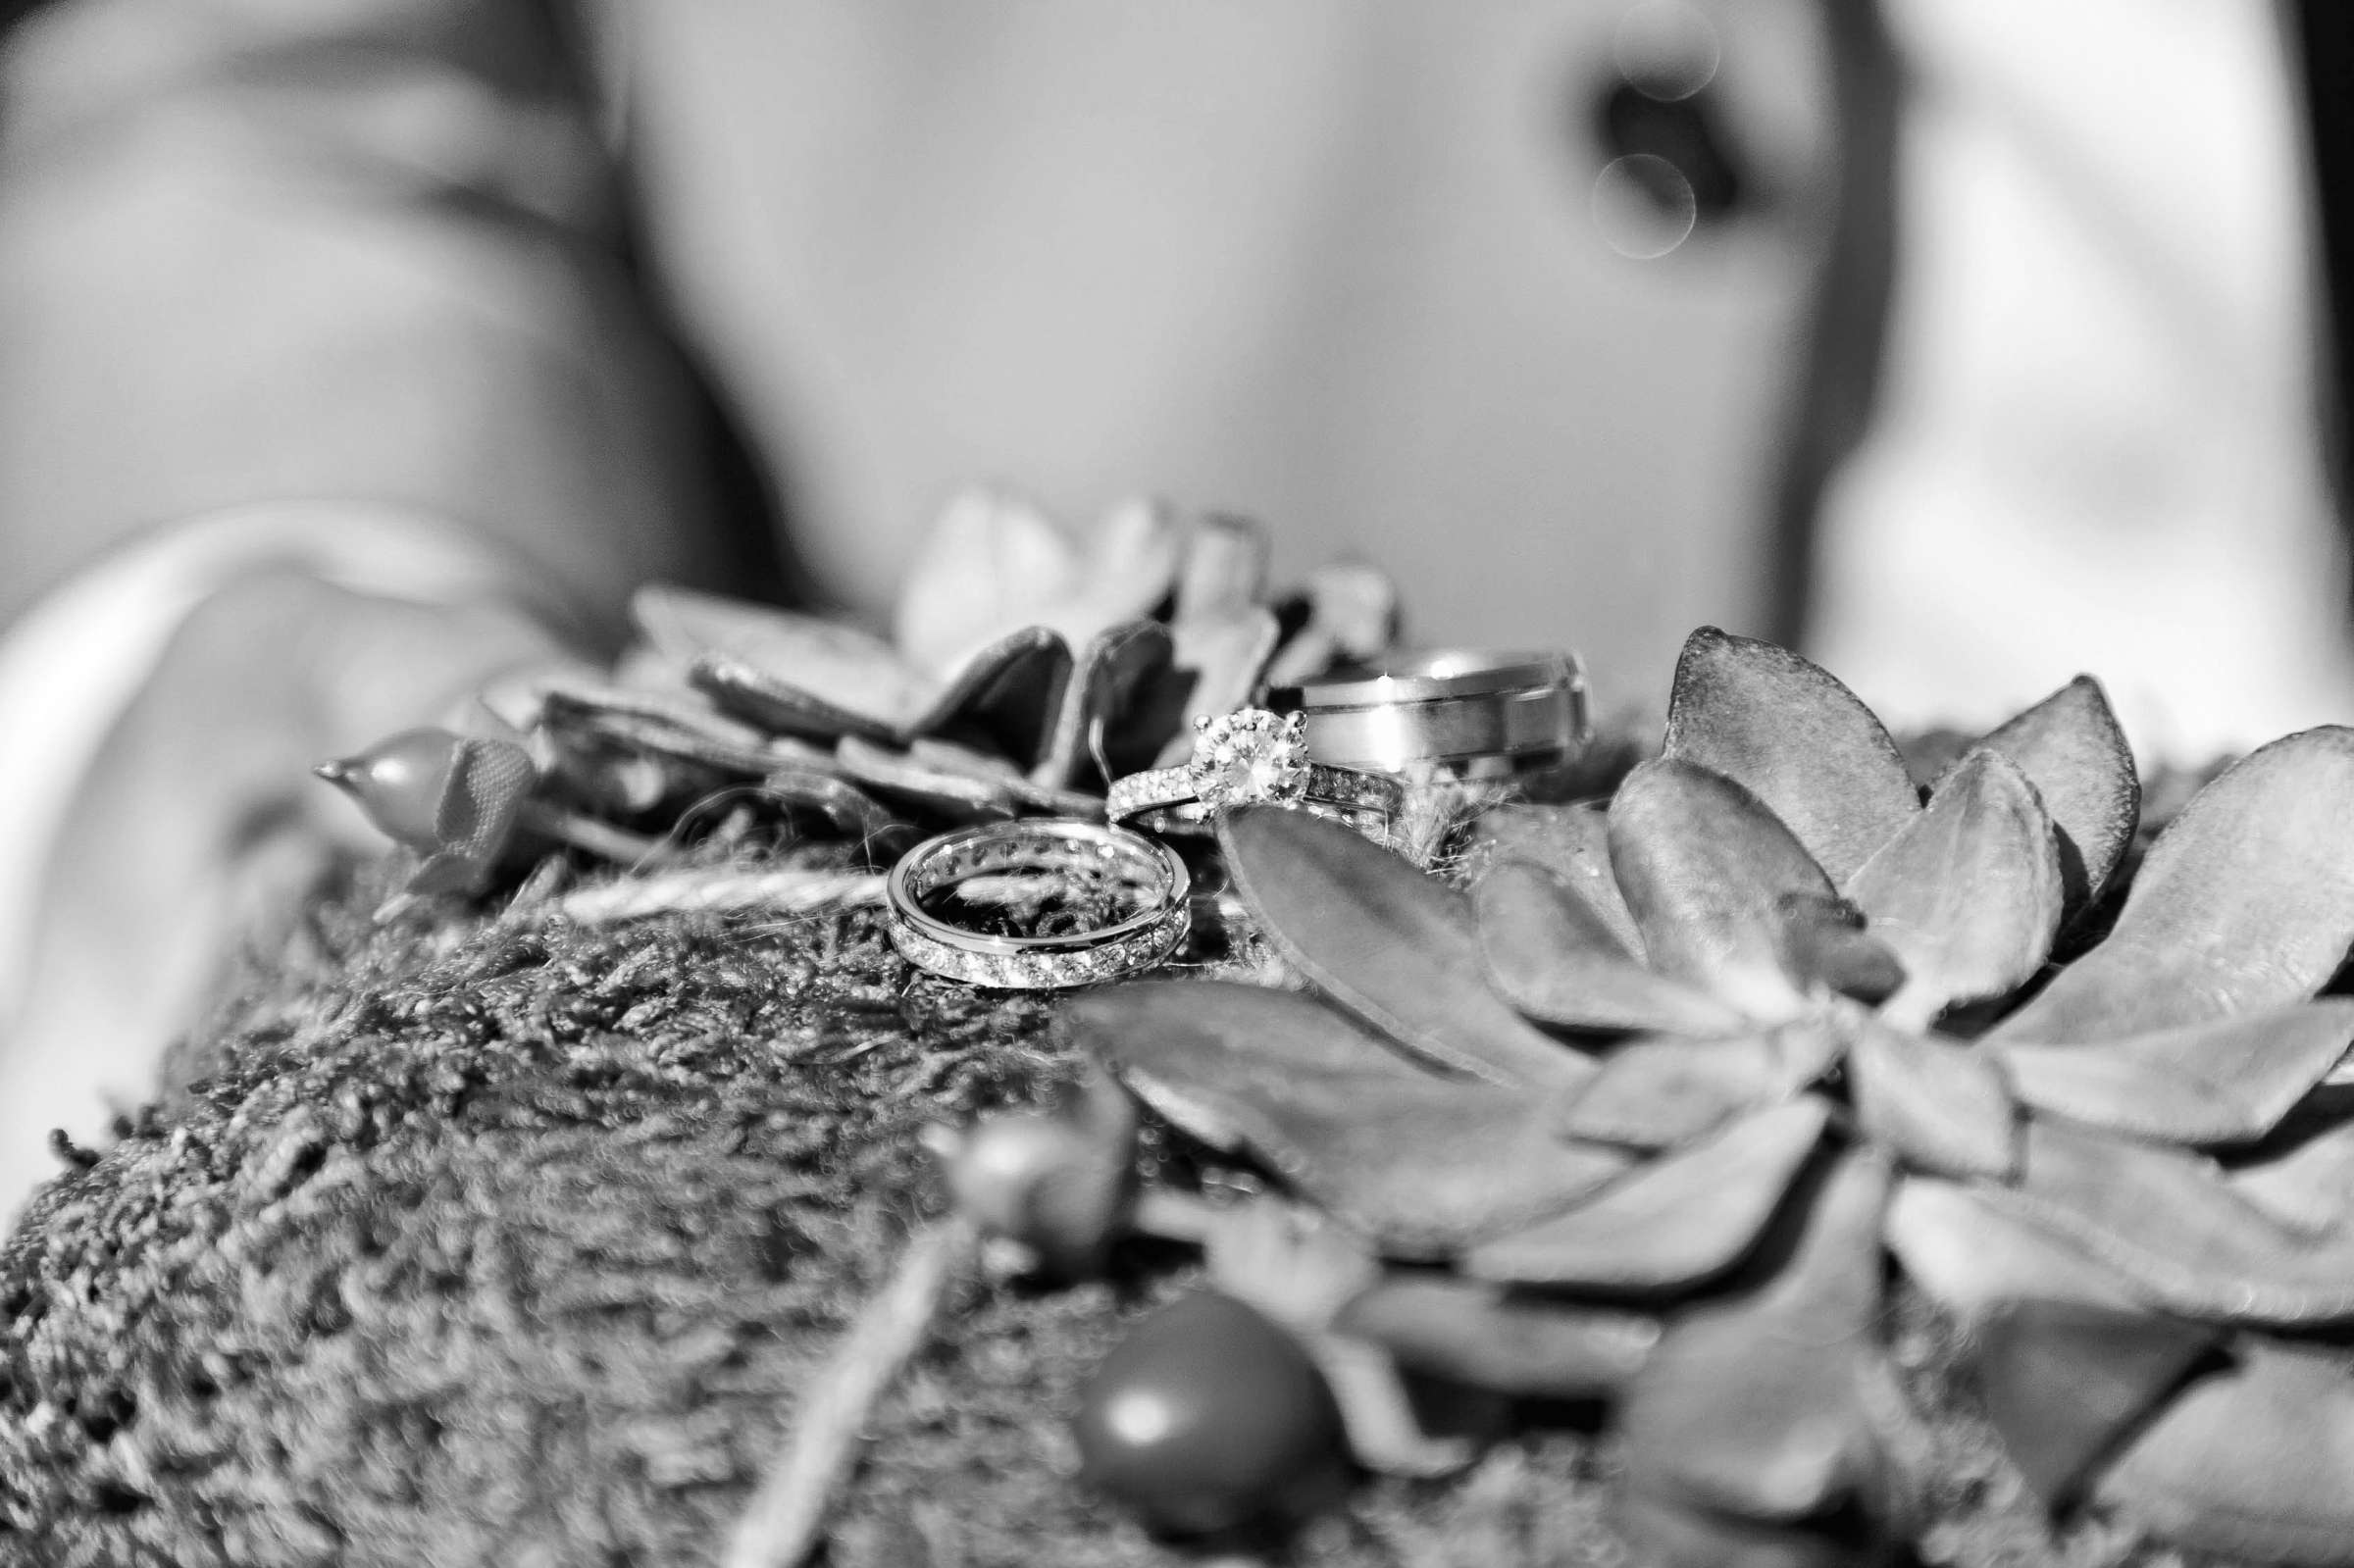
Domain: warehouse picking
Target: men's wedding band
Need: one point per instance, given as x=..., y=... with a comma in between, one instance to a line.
x=1081, y=851
x=1474, y=713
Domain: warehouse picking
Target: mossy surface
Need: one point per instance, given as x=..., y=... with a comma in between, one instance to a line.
x=483, y=1238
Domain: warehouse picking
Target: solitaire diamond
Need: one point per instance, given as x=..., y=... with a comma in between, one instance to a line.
x=1249, y=756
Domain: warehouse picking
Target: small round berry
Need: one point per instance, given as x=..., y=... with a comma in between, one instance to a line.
x=1210, y=1417
x=1060, y=1184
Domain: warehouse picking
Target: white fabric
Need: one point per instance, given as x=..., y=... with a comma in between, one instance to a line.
x=70, y=666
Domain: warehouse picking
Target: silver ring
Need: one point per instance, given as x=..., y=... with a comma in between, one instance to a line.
x=1475, y=713
x=1071, y=849
x=1247, y=757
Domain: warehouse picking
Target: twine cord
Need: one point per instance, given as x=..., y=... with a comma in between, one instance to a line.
x=719, y=890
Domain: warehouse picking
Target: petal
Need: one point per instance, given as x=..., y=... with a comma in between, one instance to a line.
x=1573, y=843
x=1421, y=1165
x=1712, y=878
x=1796, y=738
x=2171, y=1226
x=1671, y=1223
x=1554, y=959
x=1967, y=892
x=2227, y=1082
x=2246, y=901
x=1006, y=697
x=993, y=563
x=1938, y=1105
x=1753, y=1404
x=1393, y=946
x=1663, y=1092
x=1096, y=734
x=2071, y=748
x=1527, y=1346
x=2250, y=1462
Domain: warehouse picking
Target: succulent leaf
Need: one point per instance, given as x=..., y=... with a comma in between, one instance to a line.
x=956, y=795
x=1940, y=1105
x=1792, y=735
x=1527, y=1345
x=1675, y=1220
x=2309, y=1183
x=1713, y=879
x=2245, y=902
x=1967, y=892
x=2230, y=1080
x=1100, y=706
x=1351, y=616
x=1753, y=1404
x=1221, y=636
x=1396, y=949
x=2071, y=748
x=1661, y=1091
x=2068, y=1358
x=2172, y=1225
x=1421, y=1165
x=1554, y=958
x=2250, y=1461
x=1573, y=843
x=1006, y=694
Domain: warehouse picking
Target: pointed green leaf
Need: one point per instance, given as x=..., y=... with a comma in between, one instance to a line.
x=1554, y=959
x=1674, y=1221
x=1753, y=1404
x=2246, y=901
x=2172, y=1225
x=1573, y=843
x=1527, y=1346
x=1663, y=1092
x=1712, y=879
x=2068, y=1358
x=1938, y=1105
x=1967, y=892
x=2250, y=1462
x=1796, y=738
x=1421, y=1165
x=2227, y=1082
x=2071, y=748
x=1394, y=947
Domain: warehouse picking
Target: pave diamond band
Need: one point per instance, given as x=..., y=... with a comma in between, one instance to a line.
x=1148, y=876
x=1247, y=757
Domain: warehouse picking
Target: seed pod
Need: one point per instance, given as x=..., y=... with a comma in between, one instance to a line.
x=452, y=798
x=1210, y=1417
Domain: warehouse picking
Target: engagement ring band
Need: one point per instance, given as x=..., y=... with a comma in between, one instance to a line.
x=1473, y=713
x=1244, y=758
x=1083, y=858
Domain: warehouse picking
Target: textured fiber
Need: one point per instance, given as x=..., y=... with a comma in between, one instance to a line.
x=508, y=1240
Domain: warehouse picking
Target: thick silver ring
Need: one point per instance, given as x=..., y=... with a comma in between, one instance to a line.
x=1157, y=878
x=1247, y=757
x=1475, y=713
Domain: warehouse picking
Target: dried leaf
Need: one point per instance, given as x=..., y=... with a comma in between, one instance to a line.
x=956, y=797
x=1352, y=617
x=1967, y=892
x=1006, y=695
x=846, y=807
x=1096, y=719
x=782, y=671
x=1940, y=1105
x=1554, y=959
x=1674, y=1222
x=1712, y=878
x=1796, y=738
x=2250, y=1462
x=1573, y=843
x=1527, y=1346
x=2066, y=1357
x=1394, y=947
x=1421, y=1165
x=2071, y=750
x=2227, y=1082
x=581, y=716
x=950, y=757
x=1660, y=1092
x=1755, y=1404
x=2174, y=1227
x=993, y=563
x=2245, y=902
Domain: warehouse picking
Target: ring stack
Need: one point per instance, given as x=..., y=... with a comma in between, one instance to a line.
x=1078, y=851
x=1470, y=713
x=1247, y=757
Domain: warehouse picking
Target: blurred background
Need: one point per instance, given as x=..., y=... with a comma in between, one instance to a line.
x=353, y=350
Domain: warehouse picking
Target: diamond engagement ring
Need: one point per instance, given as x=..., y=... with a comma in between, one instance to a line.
x=1473, y=713
x=1243, y=758
x=1077, y=861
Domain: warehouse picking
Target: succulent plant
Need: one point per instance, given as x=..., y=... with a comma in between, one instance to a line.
x=1022, y=674
x=1647, y=1113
